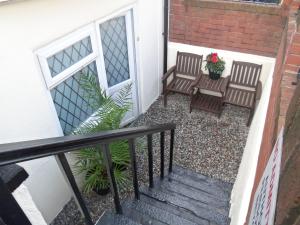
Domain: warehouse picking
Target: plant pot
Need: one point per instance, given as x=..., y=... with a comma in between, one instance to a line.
x=101, y=191
x=214, y=76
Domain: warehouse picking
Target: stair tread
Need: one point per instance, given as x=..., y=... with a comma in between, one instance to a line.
x=157, y=214
x=197, y=177
x=188, y=215
x=212, y=199
x=208, y=187
x=204, y=211
x=110, y=218
x=137, y=216
x=184, y=197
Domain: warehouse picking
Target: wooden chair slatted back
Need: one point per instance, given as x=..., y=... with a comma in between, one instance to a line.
x=245, y=74
x=188, y=64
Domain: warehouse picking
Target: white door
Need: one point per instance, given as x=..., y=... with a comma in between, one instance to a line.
x=118, y=58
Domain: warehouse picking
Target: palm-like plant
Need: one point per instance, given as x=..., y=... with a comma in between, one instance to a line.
x=109, y=112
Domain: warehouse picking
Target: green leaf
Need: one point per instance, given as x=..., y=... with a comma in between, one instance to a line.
x=109, y=112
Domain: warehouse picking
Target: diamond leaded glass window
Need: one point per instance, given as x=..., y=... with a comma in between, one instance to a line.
x=72, y=104
x=65, y=60
x=115, y=51
x=69, y=56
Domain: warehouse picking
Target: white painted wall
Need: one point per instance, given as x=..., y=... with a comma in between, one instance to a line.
x=23, y=197
x=242, y=189
x=27, y=110
x=241, y=193
x=150, y=37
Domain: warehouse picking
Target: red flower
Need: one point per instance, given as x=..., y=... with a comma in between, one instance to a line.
x=214, y=58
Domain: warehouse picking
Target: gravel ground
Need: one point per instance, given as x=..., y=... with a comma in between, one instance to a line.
x=203, y=142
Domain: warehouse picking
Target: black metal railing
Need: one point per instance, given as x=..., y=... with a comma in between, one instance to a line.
x=28, y=150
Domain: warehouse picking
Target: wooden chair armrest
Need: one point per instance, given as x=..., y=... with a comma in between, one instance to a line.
x=168, y=73
x=225, y=84
x=258, y=90
x=196, y=81
x=201, y=72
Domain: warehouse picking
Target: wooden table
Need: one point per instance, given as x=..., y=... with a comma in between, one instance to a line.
x=209, y=94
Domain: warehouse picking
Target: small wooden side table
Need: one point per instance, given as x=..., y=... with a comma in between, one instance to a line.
x=209, y=95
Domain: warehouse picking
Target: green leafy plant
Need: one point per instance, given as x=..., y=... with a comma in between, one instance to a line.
x=109, y=112
x=214, y=63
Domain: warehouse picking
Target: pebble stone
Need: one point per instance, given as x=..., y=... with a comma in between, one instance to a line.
x=204, y=143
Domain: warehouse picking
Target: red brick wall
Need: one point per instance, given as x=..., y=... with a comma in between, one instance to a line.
x=288, y=206
x=287, y=65
x=235, y=26
x=291, y=68
x=248, y=28
x=270, y=129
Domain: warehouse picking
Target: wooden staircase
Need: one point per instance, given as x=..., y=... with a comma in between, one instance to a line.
x=182, y=198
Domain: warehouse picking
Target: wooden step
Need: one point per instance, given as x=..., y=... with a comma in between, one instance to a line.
x=182, y=198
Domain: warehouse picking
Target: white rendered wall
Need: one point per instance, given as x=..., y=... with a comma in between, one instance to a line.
x=27, y=111
x=242, y=189
x=23, y=197
x=241, y=193
x=150, y=65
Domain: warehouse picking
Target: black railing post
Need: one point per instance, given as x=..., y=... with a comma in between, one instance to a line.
x=112, y=179
x=162, y=154
x=166, y=34
x=72, y=183
x=150, y=160
x=171, y=150
x=58, y=146
x=134, y=168
x=10, y=211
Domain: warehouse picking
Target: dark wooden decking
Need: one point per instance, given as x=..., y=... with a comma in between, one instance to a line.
x=182, y=198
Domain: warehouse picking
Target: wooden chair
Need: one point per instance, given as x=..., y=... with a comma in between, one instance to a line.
x=186, y=73
x=244, y=87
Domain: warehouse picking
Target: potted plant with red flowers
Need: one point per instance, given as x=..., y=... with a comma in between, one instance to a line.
x=215, y=66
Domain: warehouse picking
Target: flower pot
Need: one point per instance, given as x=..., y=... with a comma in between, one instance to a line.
x=101, y=191
x=214, y=76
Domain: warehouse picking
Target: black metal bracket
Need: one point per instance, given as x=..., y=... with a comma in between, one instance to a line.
x=298, y=78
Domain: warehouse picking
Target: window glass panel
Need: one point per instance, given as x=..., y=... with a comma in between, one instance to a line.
x=73, y=106
x=115, y=50
x=69, y=56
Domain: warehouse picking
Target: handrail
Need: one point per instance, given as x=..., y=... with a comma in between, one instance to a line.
x=28, y=150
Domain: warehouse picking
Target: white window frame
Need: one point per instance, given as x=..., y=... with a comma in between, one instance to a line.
x=129, y=14
x=130, y=45
x=92, y=30
x=61, y=44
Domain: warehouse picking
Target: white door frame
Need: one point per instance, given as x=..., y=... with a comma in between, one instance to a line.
x=132, y=58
